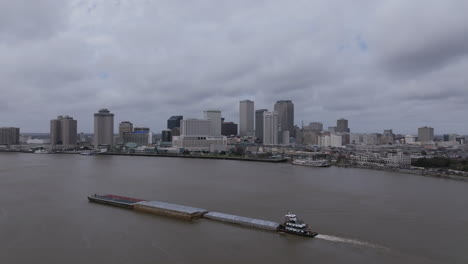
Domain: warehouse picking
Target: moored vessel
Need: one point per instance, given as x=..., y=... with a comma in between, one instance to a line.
x=311, y=163
x=293, y=225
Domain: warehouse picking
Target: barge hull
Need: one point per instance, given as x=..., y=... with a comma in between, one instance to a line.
x=243, y=221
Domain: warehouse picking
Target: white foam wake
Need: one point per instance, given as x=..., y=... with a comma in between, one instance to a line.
x=348, y=240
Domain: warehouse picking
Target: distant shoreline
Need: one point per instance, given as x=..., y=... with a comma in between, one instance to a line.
x=425, y=173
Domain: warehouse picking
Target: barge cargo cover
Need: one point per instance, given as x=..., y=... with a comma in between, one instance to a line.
x=243, y=221
x=115, y=200
x=168, y=209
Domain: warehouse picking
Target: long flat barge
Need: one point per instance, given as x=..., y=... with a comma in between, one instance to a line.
x=190, y=213
x=168, y=209
x=243, y=221
x=114, y=200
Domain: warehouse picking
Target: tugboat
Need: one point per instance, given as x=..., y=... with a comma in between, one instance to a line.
x=294, y=226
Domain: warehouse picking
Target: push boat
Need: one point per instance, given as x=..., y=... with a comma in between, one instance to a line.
x=293, y=225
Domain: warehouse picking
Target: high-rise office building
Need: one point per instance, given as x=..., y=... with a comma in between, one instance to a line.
x=342, y=125
x=63, y=131
x=259, y=123
x=229, y=129
x=215, y=118
x=103, y=128
x=125, y=127
x=9, y=135
x=285, y=110
x=166, y=136
x=174, y=121
x=56, y=131
x=316, y=126
x=246, y=118
x=195, y=127
x=425, y=134
x=270, y=128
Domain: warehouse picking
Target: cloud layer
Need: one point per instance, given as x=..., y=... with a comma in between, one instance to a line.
x=392, y=64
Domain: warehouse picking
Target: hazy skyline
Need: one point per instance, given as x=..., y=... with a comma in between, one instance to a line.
x=380, y=64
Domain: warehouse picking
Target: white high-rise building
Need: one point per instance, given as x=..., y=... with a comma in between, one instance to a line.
x=195, y=127
x=246, y=118
x=195, y=136
x=215, y=117
x=270, y=128
x=336, y=140
x=103, y=128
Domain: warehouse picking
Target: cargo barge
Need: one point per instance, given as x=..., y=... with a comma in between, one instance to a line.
x=173, y=210
x=291, y=225
x=243, y=221
x=114, y=200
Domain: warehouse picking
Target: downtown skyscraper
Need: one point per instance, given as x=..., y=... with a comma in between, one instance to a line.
x=103, y=128
x=285, y=110
x=246, y=118
x=63, y=131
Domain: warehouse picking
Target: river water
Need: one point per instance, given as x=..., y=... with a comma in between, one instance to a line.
x=363, y=216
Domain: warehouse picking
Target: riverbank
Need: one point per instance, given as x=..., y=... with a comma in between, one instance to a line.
x=421, y=172
x=197, y=157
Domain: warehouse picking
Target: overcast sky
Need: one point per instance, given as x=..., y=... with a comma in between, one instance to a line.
x=381, y=64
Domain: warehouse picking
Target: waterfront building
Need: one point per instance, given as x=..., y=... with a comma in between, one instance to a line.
x=315, y=126
x=391, y=159
x=9, y=135
x=286, y=137
x=166, y=136
x=336, y=140
x=388, y=137
x=285, y=110
x=200, y=143
x=176, y=131
x=215, y=118
x=270, y=128
x=324, y=140
x=409, y=139
x=195, y=136
x=355, y=138
x=229, y=129
x=124, y=127
x=63, y=131
x=372, y=139
x=310, y=137
x=246, y=118
x=426, y=134
x=259, y=123
x=342, y=125
x=103, y=128
x=174, y=121
x=195, y=127
x=140, y=138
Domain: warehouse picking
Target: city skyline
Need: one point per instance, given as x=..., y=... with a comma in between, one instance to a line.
x=332, y=60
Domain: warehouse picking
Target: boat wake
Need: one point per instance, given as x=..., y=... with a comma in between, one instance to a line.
x=349, y=241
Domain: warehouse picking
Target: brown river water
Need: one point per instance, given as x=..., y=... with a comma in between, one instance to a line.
x=363, y=216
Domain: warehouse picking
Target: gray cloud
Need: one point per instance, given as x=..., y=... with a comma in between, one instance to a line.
x=398, y=64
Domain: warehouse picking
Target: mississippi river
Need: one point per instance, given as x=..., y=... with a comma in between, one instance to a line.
x=362, y=216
